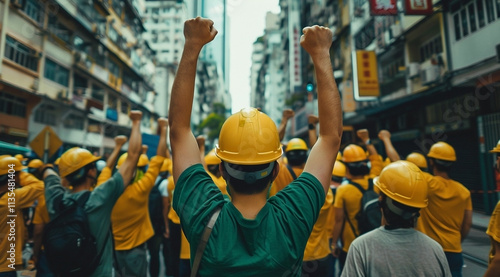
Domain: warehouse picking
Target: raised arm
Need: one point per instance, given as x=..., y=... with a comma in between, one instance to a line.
x=316, y=41
x=185, y=152
x=312, y=120
x=201, y=146
x=287, y=114
x=391, y=152
x=162, y=145
x=128, y=167
x=119, y=142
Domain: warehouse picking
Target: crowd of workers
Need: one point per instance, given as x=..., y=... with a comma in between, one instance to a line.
x=243, y=209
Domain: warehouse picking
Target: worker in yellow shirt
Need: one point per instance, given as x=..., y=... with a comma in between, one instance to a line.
x=107, y=171
x=494, y=234
x=361, y=169
x=296, y=154
x=35, y=167
x=448, y=217
x=18, y=190
x=185, y=256
x=174, y=233
x=414, y=157
x=130, y=216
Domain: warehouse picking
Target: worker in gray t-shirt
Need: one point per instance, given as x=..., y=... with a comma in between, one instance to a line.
x=396, y=248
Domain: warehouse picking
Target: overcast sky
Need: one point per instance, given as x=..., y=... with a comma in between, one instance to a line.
x=247, y=23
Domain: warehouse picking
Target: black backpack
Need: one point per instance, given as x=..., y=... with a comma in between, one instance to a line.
x=369, y=216
x=156, y=207
x=70, y=248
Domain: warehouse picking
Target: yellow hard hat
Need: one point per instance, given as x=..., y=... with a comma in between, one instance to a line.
x=211, y=158
x=20, y=157
x=353, y=153
x=167, y=164
x=249, y=137
x=57, y=161
x=143, y=160
x=386, y=162
x=7, y=163
x=403, y=182
x=418, y=159
x=442, y=151
x=296, y=144
x=75, y=159
x=339, y=169
x=496, y=149
x=339, y=156
x=36, y=163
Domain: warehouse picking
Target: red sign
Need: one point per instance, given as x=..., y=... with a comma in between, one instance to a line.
x=418, y=7
x=383, y=7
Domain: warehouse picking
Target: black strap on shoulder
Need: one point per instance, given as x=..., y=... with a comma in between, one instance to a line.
x=362, y=190
x=203, y=242
x=350, y=223
x=290, y=169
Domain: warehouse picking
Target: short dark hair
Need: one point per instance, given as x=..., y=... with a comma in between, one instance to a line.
x=296, y=157
x=78, y=177
x=441, y=165
x=397, y=221
x=358, y=168
x=241, y=186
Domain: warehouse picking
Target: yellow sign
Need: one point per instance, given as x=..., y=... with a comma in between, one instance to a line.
x=366, y=62
x=348, y=103
x=48, y=140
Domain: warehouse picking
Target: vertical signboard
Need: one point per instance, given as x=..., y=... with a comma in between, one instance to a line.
x=366, y=63
x=294, y=33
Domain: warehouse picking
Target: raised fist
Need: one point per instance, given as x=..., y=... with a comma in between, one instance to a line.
x=162, y=122
x=384, y=135
x=135, y=115
x=200, y=140
x=288, y=113
x=363, y=135
x=316, y=40
x=199, y=31
x=120, y=140
x=144, y=149
x=312, y=119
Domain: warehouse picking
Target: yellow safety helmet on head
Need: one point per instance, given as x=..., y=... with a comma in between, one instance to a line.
x=36, y=163
x=418, y=159
x=353, y=153
x=403, y=182
x=7, y=163
x=75, y=159
x=296, y=144
x=211, y=158
x=339, y=156
x=442, y=151
x=496, y=149
x=249, y=137
x=20, y=158
x=339, y=169
x=143, y=160
x=57, y=161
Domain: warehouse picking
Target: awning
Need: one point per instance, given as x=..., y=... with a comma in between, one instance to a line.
x=12, y=149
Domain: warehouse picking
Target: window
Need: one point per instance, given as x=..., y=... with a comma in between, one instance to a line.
x=431, y=47
x=490, y=10
x=465, y=26
x=21, y=54
x=480, y=13
x=113, y=68
x=9, y=104
x=59, y=29
x=456, y=21
x=33, y=9
x=74, y=121
x=79, y=82
x=46, y=115
x=472, y=17
x=124, y=106
x=56, y=72
x=97, y=93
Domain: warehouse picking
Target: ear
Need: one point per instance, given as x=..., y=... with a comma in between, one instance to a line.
x=223, y=172
x=276, y=170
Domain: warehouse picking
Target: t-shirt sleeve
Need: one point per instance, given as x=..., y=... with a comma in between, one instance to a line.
x=494, y=225
x=195, y=198
x=354, y=262
x=339, y=197
x=300, y=203
x=109, y=192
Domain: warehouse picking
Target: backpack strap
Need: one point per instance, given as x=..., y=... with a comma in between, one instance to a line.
x=362, y=190
x=290, y=169
x=203, y=242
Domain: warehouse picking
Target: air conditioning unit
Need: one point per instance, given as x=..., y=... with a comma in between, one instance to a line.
x=429, y=74
x=396, y=30
x=413, y=70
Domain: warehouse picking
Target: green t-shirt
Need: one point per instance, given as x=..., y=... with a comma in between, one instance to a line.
x=270, y=245
x=98, y=210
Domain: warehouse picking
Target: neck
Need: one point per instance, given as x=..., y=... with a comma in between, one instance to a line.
x=440, y=174
x=249, y=205
x=85, y=186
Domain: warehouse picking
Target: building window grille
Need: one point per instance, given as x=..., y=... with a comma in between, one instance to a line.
x=32, y=9
x=46, y=115
x=21, y=54
x=12, y=105
x=74, y=122
x=56, y=72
